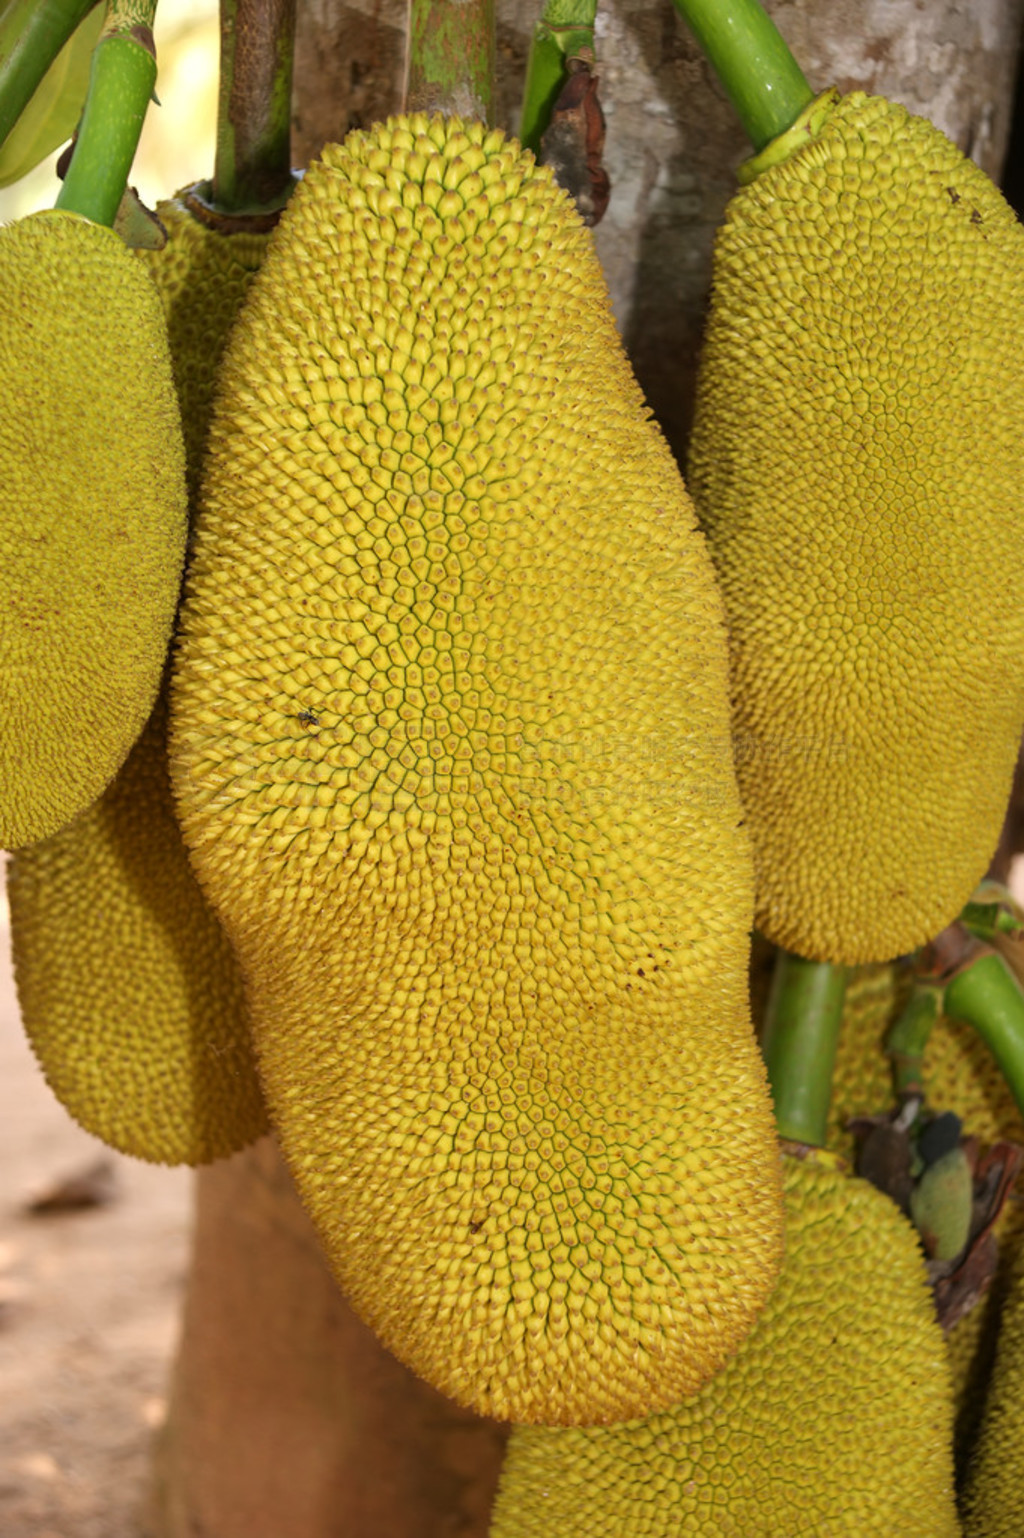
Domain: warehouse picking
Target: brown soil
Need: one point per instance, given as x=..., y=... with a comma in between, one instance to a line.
x=89, y=1305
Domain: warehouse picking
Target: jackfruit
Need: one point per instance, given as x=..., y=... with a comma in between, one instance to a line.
x=833, y=1417
x=130, y=994
x=450, y=747
x=92, y=518
x=857, y=464
x=993, y=1496
x=202, y=276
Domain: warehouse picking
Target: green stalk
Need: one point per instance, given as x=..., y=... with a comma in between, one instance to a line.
x=565, y=29
x=987, y=919
x=120, y=87
x=799, y=1041
x=253, y=169
x=986, y=995
x=450, y=66
x=908, y=1037
x=758, y=73
x=32, y=34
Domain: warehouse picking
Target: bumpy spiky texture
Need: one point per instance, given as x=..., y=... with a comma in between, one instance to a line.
x=993, y=1498
x=833, y=1417
x=202, y=277
x=451, y=749
x=92, y=515
x=130, y=994
x=858, y=465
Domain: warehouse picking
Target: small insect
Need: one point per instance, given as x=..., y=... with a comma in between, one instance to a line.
x=308, y=718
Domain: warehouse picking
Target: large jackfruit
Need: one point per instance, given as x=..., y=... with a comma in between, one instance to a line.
x=92, y=515
x=129, y=991
x=858, y=465
x=833, y=1417
x=450, y=738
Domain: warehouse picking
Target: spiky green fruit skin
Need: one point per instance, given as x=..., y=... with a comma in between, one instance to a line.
x=450, y=744
x=130, y=994
x=92, y=515
x=858, y=466
x=834, y=1417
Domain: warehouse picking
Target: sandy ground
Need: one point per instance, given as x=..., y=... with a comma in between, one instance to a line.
x=89, y=1306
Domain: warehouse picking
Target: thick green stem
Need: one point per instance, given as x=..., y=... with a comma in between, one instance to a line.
x=32, y=34
x=120, y=87
x=799, y=1041
x=759, y=74
x=565, y=29
x=450, y=67
x=908, y=1038
x=253, y=169
x=986, y=995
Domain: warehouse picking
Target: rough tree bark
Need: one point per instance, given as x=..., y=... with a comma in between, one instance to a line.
x=287, y=1420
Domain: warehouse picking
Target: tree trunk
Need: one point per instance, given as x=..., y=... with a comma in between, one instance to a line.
x=287, y=1419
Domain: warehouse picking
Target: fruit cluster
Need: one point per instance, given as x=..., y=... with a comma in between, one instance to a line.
x=434, y=837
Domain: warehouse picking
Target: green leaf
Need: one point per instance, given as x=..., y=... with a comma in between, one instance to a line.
x=52, y=114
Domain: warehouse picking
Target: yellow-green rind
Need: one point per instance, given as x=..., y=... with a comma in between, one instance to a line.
x=130, y=994
x=202, y=277
x=857, y=465
x=834, y=1417
x=450, y=742
x=993, y=1495
x=92, y=515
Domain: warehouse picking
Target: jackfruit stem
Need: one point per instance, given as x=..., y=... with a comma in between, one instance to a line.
x=252, y=166
x=758, y=73
x=992, y=911
x=799, y=1041
x=120, y=88
x=908, y=1038
x=566, y=27
x=450, y=58
x=985, y=994
x=32, y=34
